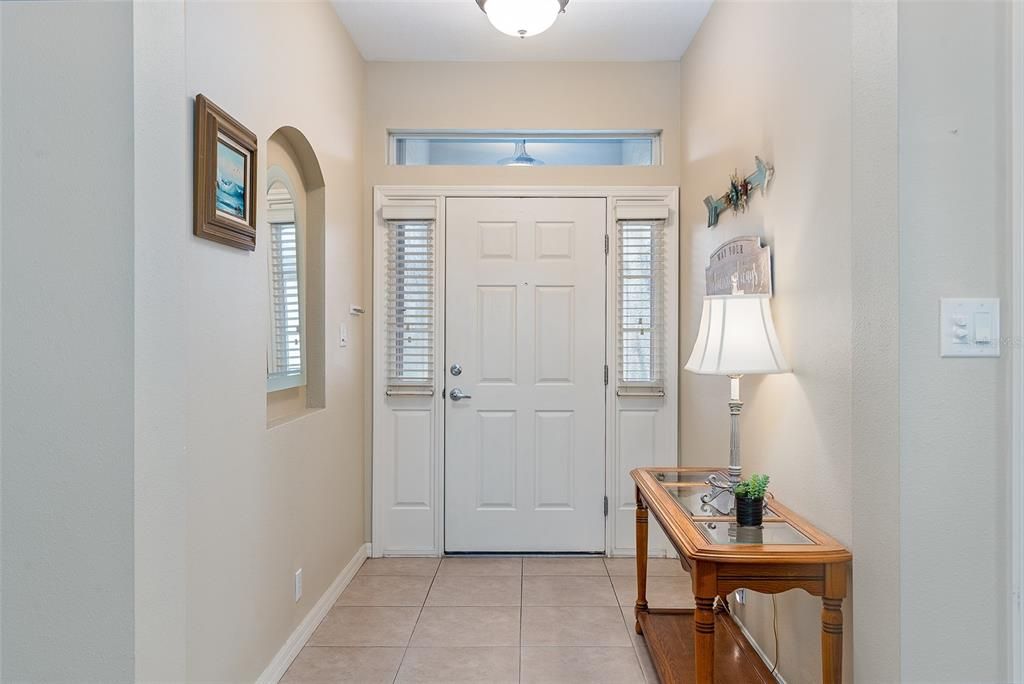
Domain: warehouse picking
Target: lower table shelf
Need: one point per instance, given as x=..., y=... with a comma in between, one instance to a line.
x=669, y=636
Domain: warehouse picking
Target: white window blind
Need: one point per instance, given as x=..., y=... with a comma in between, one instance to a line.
x=286, y=366
x=641, y=319
x=410, y=307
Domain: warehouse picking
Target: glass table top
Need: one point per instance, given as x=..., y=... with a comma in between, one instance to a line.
x=710, y=508
x=726, y=533
x=705, y=501
x=695, y=477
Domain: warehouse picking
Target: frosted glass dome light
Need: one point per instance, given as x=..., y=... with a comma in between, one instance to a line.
x=522, y=18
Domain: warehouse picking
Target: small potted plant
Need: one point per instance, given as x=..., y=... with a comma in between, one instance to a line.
x=750, y=501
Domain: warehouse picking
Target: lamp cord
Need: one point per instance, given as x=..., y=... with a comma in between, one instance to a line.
x=775, y=630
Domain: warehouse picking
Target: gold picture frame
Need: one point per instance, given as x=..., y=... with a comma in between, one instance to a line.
x=225, y=178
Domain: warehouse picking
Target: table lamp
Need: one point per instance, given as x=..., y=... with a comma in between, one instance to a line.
x=736, y=338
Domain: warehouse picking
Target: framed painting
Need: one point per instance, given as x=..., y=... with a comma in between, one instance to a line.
x=225, y=178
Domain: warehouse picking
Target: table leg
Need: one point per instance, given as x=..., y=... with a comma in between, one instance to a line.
x=705, y=589
x=641, y=560
x=832, y=622
x=832, y=640
x=704, y=639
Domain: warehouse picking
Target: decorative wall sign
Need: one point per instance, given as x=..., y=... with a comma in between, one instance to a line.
x=739, y=191
x=740, y=266
x=225, y=178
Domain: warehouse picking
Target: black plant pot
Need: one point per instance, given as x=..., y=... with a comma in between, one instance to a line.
x=749, y=512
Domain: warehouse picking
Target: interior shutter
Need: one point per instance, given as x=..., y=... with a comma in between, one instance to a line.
x=286, y=363
x=410, y=308
x=641, y=316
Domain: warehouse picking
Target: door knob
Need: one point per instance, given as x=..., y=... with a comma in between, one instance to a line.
x=458, y=395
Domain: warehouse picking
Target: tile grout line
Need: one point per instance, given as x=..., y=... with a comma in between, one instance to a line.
x=630, y=631
x=624, y=622
x=405, y=651
x=522, y=609
x=633, y=641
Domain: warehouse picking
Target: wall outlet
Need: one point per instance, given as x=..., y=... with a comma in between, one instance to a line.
x=298, y=584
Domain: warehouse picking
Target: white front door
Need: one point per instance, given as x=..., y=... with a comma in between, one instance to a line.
x=525, y=331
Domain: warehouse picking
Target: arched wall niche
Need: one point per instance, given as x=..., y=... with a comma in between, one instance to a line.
x=290, y=154
x=303, y=154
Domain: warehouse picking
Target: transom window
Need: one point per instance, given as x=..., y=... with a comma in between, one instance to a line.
x=525, y=148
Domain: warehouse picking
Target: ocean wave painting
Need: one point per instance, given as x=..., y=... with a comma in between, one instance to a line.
x=230, y=181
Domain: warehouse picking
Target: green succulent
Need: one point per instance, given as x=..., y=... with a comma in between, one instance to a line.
x=754, y=488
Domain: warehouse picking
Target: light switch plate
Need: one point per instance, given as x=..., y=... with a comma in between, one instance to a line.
x=966, y=324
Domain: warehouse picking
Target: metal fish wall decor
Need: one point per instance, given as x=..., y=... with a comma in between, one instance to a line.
x=738, y=195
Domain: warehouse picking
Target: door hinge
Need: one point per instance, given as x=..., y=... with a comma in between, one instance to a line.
x=606, y=246
x=606, y=375
x=606, y=506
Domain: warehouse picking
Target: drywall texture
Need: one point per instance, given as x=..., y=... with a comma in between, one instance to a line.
x=530, y=96
x=162, y=173
x=875, y=254
x=264, y=503
x=955, y=241
x=67, y=313
x=1, y=343
x=784, y=88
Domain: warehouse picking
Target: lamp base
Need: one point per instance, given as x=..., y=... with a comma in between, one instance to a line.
x=722, y=491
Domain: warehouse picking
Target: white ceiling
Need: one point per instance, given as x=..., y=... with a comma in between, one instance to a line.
x=456, y=30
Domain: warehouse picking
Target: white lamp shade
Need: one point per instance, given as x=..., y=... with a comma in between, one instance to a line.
x=522, y=17
x=737, y=337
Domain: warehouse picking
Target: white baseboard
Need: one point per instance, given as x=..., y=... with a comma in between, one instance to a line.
x=757, y=647
x=283, y=660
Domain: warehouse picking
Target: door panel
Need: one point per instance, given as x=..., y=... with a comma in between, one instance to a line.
x=525, y=319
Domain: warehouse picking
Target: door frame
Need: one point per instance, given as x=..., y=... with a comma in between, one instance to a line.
x=426, y=516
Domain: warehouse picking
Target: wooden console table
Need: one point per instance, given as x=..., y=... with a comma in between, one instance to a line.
x=785, y=553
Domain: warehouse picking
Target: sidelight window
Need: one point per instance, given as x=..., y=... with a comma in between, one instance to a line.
x=641, y=298
x=410, y=308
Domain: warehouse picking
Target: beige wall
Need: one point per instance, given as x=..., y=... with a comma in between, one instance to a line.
x=875, y=254
x=67, y=319
x=225, y=510
x=873, y=431
x=263, y=503
x=524, y=95
x=782, y=80
x=257, y=503
x=955, y=242
x=162, y=242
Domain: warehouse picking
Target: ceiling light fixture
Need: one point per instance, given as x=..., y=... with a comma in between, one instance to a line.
x=522, y=18
x=520, y=157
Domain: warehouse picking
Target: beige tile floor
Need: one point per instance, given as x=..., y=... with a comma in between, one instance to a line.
x=489, y=621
